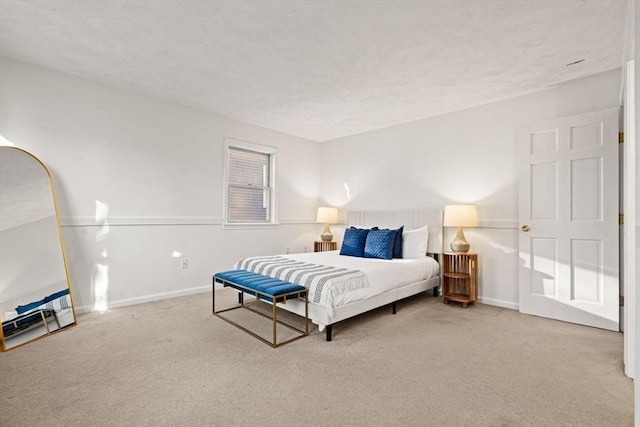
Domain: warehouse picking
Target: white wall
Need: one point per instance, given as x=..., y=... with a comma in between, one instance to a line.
x=467, y=156
x=138, y=178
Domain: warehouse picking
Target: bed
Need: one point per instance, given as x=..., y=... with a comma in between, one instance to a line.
x=369, y=283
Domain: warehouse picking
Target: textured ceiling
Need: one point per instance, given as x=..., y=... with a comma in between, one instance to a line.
x=320, y=69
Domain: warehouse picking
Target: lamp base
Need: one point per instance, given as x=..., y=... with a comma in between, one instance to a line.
x=326, y=235
x=459, y=243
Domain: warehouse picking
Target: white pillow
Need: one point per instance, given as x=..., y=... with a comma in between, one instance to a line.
x=9, y=315
x=415, y=242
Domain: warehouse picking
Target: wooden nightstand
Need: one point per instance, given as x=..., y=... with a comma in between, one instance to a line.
x=321, y=246
x=459, y=273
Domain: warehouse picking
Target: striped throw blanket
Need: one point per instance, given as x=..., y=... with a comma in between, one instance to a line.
x=323, y=282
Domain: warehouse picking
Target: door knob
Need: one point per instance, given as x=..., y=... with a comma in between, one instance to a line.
x=525, y=228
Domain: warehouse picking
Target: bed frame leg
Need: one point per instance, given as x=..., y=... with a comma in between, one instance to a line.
x=436, y=291
x=394, y=308
x=241, y=298
x=329, y=329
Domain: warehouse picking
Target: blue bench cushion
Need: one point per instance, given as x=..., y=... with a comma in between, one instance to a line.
x=258, y=282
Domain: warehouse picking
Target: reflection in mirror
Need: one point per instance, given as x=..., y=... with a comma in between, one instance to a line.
x=35, y=298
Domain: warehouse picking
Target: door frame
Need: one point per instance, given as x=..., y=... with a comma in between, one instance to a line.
x=629, y=254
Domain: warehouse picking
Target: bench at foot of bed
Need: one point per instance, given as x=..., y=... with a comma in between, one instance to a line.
x=27, y=320
x=265, y=288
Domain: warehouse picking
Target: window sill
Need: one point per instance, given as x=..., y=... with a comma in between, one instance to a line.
x=250, y=225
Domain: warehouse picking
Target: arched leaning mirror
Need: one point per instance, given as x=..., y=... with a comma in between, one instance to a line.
x=35, y=298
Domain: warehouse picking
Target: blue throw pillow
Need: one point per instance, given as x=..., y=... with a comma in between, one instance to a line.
x=379, y=244
x=353, y=241
x=397, y=243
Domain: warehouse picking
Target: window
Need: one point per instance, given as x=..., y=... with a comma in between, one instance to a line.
x=249, y=194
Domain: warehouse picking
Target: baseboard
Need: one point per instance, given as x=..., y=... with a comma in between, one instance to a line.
x=147, y=298
x=499, y=303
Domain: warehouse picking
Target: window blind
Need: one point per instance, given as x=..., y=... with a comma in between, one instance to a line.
x=249, y=189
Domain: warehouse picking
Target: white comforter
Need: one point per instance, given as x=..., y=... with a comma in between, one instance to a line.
x=380, y=275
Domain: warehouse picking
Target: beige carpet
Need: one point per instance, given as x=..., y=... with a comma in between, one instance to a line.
x=172, y=363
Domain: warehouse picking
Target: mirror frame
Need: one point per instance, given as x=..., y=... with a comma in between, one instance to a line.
x=63, y=251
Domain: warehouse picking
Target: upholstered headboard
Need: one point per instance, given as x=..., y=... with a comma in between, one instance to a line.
x=410, y=219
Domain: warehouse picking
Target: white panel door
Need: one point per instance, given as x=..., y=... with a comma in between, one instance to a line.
x=568, y=205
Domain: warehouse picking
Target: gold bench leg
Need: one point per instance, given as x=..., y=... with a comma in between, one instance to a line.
x=306, y=313
x=274, y=316
x=275, y=322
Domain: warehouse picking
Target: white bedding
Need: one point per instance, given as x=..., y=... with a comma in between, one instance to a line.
x=381, y=275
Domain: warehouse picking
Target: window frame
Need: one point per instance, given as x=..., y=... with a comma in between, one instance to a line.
x=272, y=152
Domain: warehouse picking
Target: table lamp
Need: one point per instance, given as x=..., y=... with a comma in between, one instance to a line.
x=460, y=216
x=327, y=216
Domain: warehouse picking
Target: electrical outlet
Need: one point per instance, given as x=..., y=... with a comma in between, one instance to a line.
x=305, y=249
x=286, y=250
x=184, y=263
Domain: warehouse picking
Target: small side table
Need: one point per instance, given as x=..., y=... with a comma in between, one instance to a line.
x=322, y=246
x=459, y=273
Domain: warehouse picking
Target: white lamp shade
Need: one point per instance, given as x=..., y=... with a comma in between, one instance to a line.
x=460, y=216
x=327, y=215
